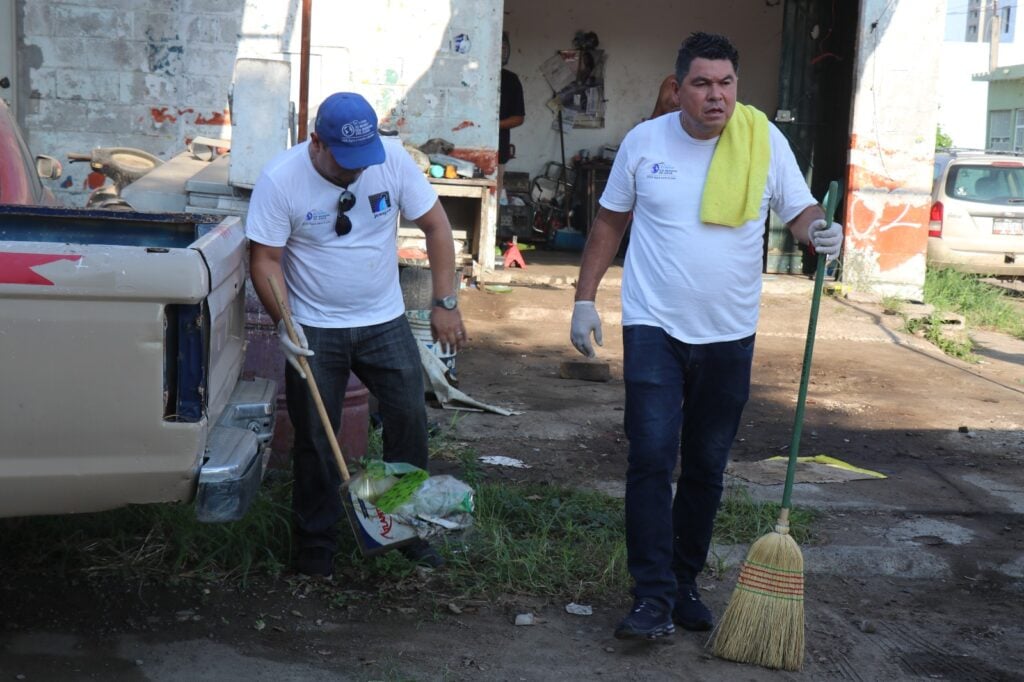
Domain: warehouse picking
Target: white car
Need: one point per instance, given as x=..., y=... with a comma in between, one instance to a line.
x=977, y=215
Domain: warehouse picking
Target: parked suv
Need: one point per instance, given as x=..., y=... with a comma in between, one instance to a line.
x=19, y=170
x=977, y=216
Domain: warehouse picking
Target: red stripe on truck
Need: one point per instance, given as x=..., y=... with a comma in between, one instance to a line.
x=16, y=268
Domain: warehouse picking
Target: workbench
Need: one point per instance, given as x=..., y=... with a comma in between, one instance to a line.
x=469, y=205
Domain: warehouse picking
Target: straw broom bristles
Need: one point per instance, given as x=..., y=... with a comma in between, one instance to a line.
x=764, y=622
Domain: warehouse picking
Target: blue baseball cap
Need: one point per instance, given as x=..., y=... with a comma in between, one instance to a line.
x=347, y=124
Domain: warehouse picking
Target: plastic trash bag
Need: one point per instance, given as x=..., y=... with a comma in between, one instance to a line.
x=387, y=484
x=441, y=503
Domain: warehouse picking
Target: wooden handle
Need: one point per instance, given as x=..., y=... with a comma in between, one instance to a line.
x=310, y=380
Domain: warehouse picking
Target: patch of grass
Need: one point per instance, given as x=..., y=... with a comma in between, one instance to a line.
x=892, y=304
x=543, y=540
x=570, y=544
x=983, y=305
x=536, y=539
x=959, y=347
x=742, y=520
x=159, y=540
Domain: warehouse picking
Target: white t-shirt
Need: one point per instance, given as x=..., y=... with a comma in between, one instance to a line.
x=699, y=282
x=348, y=281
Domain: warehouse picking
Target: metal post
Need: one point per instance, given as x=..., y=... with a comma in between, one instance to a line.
x=307, y=12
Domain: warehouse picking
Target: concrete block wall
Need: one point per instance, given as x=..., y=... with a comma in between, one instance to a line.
x=154, y=75
x=128, y=73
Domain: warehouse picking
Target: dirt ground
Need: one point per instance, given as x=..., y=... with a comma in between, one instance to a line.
x=916, y=576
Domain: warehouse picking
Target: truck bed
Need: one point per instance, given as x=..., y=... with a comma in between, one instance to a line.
x=122, y=341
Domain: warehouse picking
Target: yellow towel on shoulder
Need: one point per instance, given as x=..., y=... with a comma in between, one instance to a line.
x=739, y=170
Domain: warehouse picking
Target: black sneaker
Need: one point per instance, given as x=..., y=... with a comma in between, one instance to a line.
x=317, y=562
x=649, y=619
x=689, y=612
x=422, y=553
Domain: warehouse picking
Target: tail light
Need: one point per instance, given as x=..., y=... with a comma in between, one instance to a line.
x=935, y=221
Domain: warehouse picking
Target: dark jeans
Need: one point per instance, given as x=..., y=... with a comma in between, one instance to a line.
x=387, y=361
x=683, y=403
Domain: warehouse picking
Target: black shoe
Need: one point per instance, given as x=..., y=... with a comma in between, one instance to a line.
x=689, y=612
x=315, y=561
x=649, y=619
x=422, y=553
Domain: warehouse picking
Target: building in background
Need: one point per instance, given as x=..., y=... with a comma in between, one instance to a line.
x=853, y=84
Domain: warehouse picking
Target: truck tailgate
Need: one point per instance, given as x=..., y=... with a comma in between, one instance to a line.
x=89, y=337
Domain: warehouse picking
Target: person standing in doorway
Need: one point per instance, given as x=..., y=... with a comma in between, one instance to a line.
x=691, y=291
x=322, y=221
x=511, y=114
x=666, y=100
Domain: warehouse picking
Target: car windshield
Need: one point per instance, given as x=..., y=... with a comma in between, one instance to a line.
x=987, y=183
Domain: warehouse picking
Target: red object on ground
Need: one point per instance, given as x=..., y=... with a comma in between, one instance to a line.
x=513, y=257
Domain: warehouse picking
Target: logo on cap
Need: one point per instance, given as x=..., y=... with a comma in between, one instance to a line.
x=356, y=131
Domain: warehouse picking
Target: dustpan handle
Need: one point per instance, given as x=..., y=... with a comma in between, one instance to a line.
x=831, y=200
x=310, y=381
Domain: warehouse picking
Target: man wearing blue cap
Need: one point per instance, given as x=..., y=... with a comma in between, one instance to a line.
x=323, y=220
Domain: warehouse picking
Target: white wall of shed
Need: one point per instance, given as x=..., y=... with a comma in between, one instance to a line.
x=640, y=41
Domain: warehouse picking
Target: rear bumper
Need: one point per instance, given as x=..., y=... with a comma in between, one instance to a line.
x=940, y=254
x=235, y=460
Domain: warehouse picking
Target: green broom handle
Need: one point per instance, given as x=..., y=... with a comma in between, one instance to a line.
x=831, y=200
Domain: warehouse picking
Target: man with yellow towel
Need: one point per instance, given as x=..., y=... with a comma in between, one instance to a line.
x=699, y=185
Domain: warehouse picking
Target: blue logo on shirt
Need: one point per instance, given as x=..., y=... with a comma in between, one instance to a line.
x=317, y=217
x=661, y=171
x=380, y=203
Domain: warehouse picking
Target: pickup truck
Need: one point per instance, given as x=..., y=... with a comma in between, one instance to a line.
x=122, y=340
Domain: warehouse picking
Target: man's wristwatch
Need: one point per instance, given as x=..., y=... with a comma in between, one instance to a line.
x=448, y=302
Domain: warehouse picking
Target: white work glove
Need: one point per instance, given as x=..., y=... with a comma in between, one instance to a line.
x=585, y=321
x=290, y=350
x=826, y=238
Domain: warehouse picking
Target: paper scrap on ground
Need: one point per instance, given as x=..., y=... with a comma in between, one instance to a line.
x=501, y=461
x=450, y=397
x=579, y=609
x=817, y=469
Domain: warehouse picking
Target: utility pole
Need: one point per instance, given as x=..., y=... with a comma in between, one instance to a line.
x=993, y=37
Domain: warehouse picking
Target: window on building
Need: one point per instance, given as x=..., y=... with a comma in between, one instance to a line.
x=1018, y=130
x=1000, y=129
x=1006, y=20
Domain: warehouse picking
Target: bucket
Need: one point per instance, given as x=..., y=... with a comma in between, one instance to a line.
x=263, y=358
x=417, y=285
x=419, y=321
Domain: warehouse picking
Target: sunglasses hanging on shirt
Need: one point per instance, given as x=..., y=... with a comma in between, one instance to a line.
x=343, y=225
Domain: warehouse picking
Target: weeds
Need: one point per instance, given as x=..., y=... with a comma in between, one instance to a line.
x=892, y=304
x=543, y=540
x=981, y=305
x=536, y=539
x=741, y=519
x=931, y=329
x=159, y=540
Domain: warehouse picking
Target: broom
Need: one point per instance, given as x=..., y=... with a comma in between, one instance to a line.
x=764, y=621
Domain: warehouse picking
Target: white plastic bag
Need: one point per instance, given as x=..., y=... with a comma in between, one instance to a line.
x=439, y=496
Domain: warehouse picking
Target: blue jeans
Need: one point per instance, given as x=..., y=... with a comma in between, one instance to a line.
x=683, y=403
x=387, y=361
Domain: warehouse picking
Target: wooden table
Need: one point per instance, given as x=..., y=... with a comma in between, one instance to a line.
x=469, y=204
